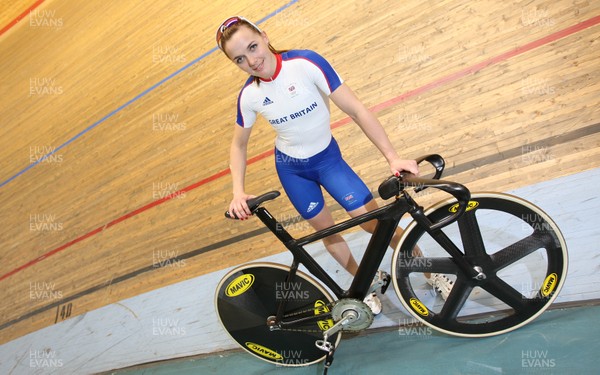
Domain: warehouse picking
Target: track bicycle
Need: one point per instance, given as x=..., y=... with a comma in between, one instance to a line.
x=506, y=257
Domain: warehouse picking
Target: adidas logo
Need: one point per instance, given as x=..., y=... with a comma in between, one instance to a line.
x=312, y=206
x=267, y=101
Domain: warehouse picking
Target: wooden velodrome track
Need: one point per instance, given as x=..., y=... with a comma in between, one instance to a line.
x=117, y=116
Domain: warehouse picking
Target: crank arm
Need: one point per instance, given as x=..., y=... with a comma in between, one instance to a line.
x=324, y=344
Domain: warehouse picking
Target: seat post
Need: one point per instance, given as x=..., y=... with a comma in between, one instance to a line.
x=273, y=225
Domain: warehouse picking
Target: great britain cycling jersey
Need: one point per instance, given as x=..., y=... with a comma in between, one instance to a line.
x=295, y=102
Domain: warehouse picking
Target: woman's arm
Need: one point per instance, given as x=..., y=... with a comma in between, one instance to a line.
x=238, y=154
x=345, y=99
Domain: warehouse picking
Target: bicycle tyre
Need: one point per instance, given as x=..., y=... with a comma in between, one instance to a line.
x=250, y=293
x=520, y=249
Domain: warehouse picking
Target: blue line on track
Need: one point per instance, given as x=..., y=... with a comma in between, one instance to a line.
x=142, y=94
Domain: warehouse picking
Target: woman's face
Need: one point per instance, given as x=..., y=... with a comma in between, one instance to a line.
x=250, y=52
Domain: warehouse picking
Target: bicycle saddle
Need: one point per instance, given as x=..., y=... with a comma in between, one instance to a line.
x=254, y=203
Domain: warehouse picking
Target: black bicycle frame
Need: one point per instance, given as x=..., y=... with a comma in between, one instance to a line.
x=388, y=217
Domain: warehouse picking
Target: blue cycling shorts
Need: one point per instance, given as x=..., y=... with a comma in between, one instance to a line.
x=302, y=180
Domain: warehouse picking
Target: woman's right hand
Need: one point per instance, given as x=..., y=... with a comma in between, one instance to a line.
x=239, y=206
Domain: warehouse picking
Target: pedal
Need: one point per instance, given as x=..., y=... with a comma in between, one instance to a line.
x=386, y=282
x=327, y=347
x=324, y=345
x=382, y=280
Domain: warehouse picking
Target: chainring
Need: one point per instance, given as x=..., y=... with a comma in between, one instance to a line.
x=343, y=306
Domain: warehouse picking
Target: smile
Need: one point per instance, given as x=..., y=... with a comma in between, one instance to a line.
x=259, y=67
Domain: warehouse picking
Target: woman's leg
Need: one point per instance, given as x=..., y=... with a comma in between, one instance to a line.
x=300, y=179
x=338, y=247
x=370, y=226
x=335, y=244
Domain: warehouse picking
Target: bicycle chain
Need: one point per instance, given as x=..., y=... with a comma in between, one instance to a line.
x=311, y=309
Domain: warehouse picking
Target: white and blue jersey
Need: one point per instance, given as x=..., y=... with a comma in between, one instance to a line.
x=296, y=104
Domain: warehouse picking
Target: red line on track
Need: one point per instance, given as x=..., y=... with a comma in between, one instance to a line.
x=117, y=221
x=20, y=17
x=389, y=103
x=491, y=61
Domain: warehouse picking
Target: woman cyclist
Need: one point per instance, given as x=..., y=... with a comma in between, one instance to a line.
x=291, y=89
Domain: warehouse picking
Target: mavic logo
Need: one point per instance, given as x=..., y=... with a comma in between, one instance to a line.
x=312, y=206
x=267, y=101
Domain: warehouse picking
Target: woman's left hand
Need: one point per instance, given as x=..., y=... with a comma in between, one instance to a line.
x=398, y=165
